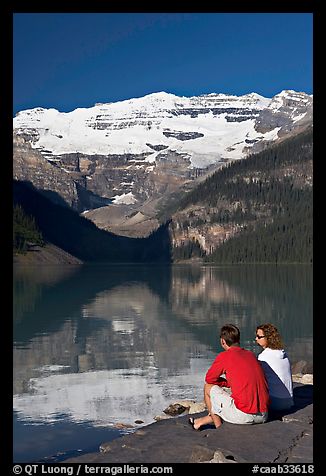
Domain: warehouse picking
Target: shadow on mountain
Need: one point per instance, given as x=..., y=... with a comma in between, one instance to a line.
x=80, y=237
x=89, y=200
x=53, y=197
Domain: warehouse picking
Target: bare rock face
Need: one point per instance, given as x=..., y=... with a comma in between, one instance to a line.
x=282, y=109
x=29, y=165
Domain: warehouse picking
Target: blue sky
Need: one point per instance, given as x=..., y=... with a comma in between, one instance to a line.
x=70, y=60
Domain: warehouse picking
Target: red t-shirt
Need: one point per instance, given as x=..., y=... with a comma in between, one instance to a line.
x=244, y=375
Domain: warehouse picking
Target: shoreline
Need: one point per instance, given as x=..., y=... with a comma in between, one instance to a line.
x=287, y=437
x=176, y=429
x=48, y=254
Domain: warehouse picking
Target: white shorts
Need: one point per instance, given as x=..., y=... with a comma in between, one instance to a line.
x=223, y=406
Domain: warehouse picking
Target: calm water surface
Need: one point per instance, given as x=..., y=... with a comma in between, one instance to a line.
x=99, y=345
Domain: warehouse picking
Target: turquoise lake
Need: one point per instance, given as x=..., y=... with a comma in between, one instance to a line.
x=97, y=346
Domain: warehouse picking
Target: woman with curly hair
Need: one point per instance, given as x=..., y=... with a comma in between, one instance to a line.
x=276, y=366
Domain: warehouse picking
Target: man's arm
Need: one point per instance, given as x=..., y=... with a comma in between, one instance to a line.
x=213, y=375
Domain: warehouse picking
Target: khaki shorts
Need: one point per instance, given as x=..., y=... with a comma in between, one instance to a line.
x=223, y=406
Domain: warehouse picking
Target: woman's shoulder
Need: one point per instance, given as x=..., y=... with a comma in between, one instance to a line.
x=273, y=354
x=268, y=352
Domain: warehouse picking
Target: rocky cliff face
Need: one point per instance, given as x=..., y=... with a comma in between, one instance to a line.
x=30, y=165
x=128, y=157
x=208, y=235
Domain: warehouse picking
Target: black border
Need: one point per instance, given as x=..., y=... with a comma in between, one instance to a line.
x=96, y=6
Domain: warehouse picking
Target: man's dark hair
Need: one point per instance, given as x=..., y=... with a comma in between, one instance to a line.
x=230, y=334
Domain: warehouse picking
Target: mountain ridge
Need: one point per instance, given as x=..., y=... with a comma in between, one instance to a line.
x=130, y=156
x=148, y=117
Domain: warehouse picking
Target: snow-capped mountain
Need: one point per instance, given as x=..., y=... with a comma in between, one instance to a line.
x=205, y=128
x=133, y=151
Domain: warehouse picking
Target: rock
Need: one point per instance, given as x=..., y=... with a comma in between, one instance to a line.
x=308, y=379
x=85, y=362
x=197, y=407
x=304, y=379
x=162, y=417
x=299, y=367
x=219, y=457
x=121, y=426
x=181, y=406
x=175, y=409
x=200, y=454
x=105, y=447
x=185, y=403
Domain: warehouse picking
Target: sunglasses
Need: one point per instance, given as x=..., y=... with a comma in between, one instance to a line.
x=260, y=337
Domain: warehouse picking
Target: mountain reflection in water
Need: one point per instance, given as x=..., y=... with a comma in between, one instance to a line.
x=99, y=345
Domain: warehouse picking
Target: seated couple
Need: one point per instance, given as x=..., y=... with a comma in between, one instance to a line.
x=239, y=388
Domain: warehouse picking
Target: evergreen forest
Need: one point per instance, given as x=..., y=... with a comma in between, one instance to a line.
x=268, y=197
x=25, y=231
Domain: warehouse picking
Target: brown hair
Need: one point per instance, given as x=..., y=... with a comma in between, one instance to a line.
x=273, y=337
x=231, y=334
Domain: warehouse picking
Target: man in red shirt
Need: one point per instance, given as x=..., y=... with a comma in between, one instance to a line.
x=241, y=396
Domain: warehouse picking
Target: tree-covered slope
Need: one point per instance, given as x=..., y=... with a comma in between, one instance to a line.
x=25, y=231
x=261, y=208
